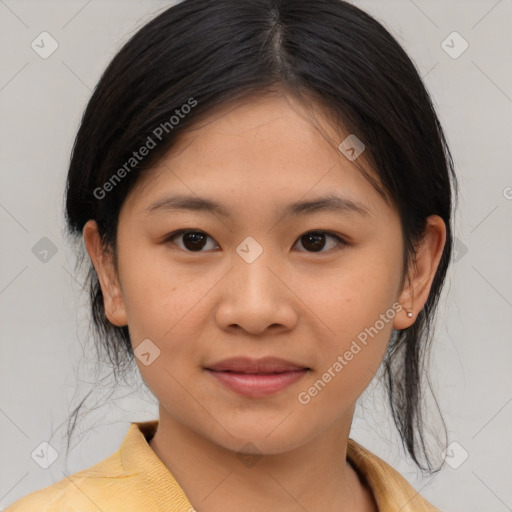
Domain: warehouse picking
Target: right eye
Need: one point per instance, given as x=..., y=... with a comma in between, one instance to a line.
x=191, y=241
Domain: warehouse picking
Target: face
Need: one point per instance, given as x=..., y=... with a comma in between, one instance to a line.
x=315, y=287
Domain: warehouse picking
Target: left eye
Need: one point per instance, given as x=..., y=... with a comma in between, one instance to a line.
x=316, y=240
x=195, y=241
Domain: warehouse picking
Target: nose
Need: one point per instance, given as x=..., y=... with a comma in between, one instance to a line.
x=255, y=297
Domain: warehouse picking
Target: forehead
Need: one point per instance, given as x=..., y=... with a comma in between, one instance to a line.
x=261, y=148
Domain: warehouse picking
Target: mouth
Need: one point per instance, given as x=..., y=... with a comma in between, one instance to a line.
x=256, y=377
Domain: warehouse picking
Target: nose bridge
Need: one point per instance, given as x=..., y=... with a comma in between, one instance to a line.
x=252, y=261
x=254, y=298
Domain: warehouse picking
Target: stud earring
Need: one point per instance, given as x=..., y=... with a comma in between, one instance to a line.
x=409, y=314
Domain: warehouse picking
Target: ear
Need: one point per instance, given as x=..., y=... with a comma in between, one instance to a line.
x=103, y=262
x=422, y=272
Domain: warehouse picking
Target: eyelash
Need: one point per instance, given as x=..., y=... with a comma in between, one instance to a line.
x=341, y=242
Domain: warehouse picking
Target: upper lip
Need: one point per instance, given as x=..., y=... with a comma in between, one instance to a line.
x=249, y=365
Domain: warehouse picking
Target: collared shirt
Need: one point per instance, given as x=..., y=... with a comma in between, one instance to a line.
x=134, y=479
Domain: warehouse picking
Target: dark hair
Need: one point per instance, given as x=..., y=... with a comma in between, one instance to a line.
x=207, y=54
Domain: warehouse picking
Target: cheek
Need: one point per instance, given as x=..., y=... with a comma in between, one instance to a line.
x=358, y=312
x=170, y=307
x=353, y=298
x=157, y=297
x=360, y=325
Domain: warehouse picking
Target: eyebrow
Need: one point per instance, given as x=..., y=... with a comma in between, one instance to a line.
x=329, y=203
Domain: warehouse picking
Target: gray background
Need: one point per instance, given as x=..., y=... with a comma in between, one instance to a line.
x=47, y=359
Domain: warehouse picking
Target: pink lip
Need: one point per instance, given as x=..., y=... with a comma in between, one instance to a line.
x=256, y=377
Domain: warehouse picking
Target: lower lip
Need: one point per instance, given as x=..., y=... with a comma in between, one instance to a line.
x=254, y=385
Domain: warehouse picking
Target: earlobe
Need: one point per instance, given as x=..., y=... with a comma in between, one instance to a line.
x=405, y=316
x=107, y=275
x=421, y=275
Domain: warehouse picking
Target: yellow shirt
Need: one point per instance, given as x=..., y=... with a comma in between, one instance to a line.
x=134, y=479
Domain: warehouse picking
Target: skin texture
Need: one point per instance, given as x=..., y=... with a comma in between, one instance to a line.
x=291, y=302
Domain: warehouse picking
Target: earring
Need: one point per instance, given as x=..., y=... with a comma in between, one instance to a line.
x=409, y=313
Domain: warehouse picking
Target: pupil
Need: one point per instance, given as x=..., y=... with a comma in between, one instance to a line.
x=195, y=239
x=317, y=241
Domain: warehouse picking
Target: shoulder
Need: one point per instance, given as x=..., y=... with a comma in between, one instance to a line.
x=84, y=491
x=390, y=489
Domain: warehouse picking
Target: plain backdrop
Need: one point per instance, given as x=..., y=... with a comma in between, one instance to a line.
x=46, y=356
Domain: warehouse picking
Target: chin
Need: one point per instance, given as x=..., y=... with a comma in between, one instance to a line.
x=257, y=439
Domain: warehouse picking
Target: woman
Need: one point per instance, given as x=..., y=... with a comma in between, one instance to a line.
x=264, y=191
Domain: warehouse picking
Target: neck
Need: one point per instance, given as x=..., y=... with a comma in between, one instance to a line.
x=313, y=477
